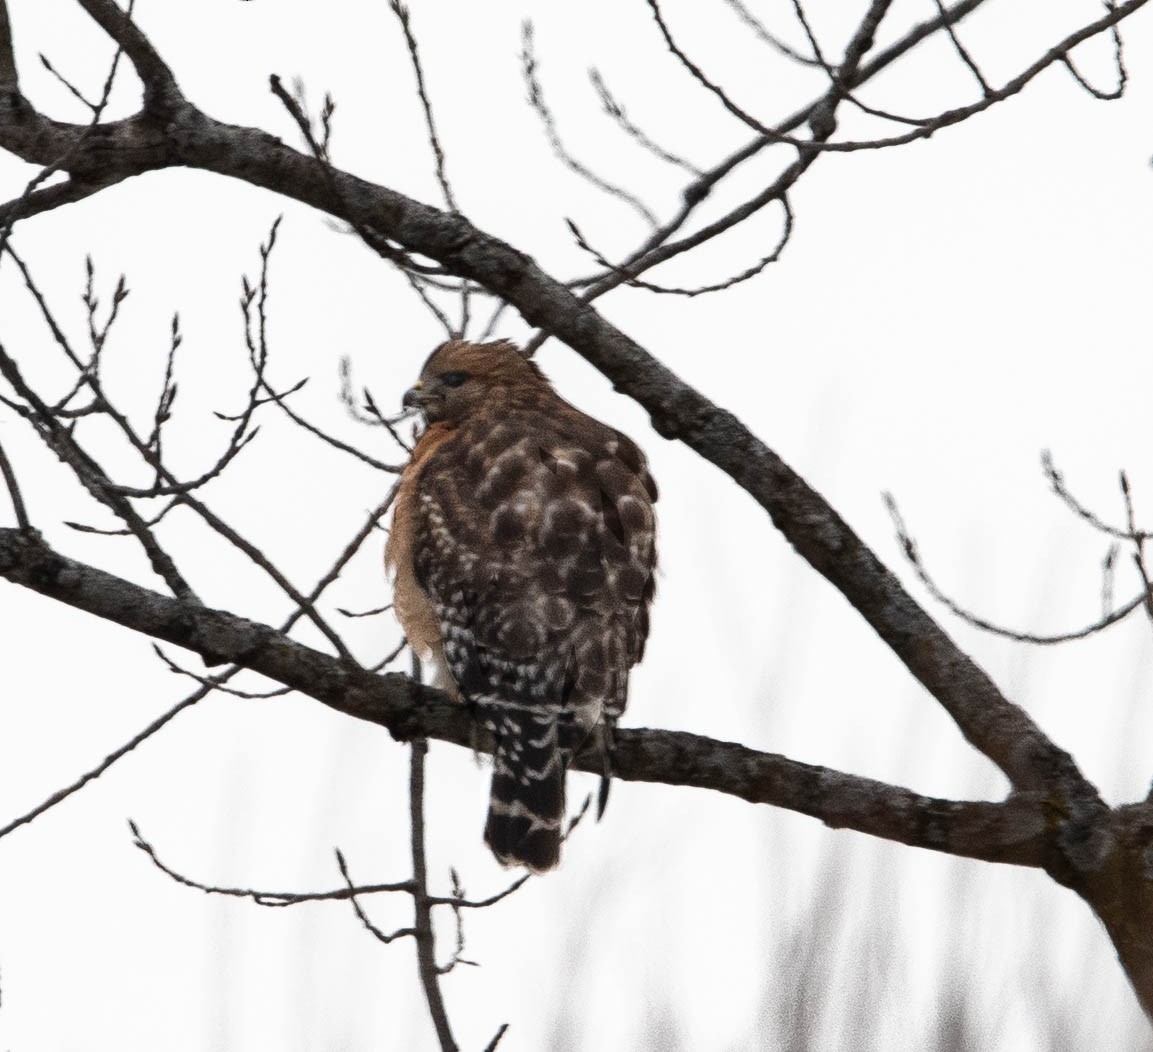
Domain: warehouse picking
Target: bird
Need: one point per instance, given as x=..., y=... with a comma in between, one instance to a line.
x=522, y=552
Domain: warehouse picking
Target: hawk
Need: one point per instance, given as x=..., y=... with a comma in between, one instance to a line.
x=522, y=548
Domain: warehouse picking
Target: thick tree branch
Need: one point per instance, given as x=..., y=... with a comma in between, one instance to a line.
x=50, y=197
x=1020, y=831
x=159, y=83
x=9, y=81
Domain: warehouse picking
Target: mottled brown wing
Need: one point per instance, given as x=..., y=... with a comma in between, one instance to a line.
x=534, y=541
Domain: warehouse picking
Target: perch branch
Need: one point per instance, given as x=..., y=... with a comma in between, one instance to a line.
x=1022, y=830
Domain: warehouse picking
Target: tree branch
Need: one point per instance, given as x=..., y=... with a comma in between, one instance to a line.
x=9, y=80
x=50, y=197
x=422, y=908
x=1022, y=830
x=160, y=87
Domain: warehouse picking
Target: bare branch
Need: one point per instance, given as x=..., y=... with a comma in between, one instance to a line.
x=701, y=188
x=962, y=53
x=71, y=88
x=703, y=79
x=158, y=517
x=1138, y=544
x=422, y=910
x=462, y=903
x=14, y=494
x=378, y=244
x=1118, y=62
x=33, y=199
x=390, y=657
x=458, y=919
x=928, y=126
x=379, y=934
x=699, y=290
x=1057, y=481
x=402, y=13
x=324, y=436
x=32, y=202
x=746, y=16
x=536, y=99
x=263, y=898
x=160, y=89
x=216, y=683
x=837, y=76
x=369, y=413
x=909, y=549
x=1021, y=830
x=364, y=613
x=491, y=1046
x=9, y=81
x=63, y=794
x=91, y=475
x=114, y=496
x=1107, y=573
x=615, y=110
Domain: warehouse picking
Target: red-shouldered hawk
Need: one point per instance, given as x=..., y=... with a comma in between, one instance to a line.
x=523, y=548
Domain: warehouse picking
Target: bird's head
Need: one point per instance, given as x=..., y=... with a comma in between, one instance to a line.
x=461, y=378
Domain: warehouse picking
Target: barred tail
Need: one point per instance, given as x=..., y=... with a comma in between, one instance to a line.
x=526, y=808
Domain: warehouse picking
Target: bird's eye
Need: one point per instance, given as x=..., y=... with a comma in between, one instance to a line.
x=453, y=379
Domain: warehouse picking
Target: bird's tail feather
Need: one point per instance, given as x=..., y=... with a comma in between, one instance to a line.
x=527, y=804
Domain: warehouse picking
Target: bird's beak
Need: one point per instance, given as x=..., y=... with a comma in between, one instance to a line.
x=413, y=397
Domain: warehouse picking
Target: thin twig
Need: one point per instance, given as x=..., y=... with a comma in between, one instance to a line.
x=909, y=549
x=1138, y=544
x=68, y=85
x=1118, y=62
x=108, y=761
x=379, y=245
x=529, y=66
x=402, y=13
x=390, y=657
x=18, y=508
x=352, y=893
x=364, y=613
x=617, y=112
x=746, y=16
x=122, y=532
x=217, y=682
x=1057, y=481
x=491, y=1046
x=458, y=919
x=1108, y=565
x=960, y=49
x=698, y=290
x=260, y=897
x=369, y=413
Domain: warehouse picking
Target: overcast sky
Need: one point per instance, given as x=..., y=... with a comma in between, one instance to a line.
x=944, y=312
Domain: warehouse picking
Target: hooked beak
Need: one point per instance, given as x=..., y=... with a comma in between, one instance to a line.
x=413, y=397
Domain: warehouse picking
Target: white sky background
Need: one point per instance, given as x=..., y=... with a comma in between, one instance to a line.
x=944, y=312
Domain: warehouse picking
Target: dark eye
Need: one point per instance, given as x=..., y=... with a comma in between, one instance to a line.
x=453, y=379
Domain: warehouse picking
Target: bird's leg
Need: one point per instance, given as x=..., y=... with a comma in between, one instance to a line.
x=608, y=744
